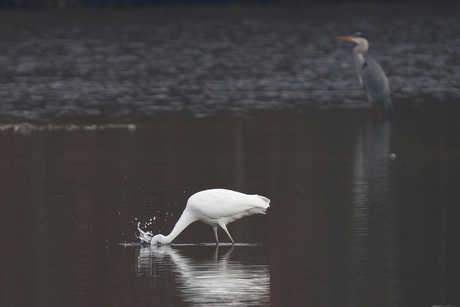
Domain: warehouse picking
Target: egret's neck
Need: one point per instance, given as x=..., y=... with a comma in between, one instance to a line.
x=185, y=219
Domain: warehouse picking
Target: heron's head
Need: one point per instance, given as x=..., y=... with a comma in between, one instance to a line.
x=357, y=38
x=159, y=240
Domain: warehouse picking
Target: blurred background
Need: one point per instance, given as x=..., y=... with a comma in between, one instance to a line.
x=113, y=113
x=125, y=63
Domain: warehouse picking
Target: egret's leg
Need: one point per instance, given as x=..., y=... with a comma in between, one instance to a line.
x=227, y=254
x=215, y=234
x=228, y=233
x=216, y=253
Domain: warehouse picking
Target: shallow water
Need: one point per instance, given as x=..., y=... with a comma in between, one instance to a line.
x=363, y=210
x=348, y=224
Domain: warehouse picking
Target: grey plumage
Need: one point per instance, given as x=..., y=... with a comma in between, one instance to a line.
x=370, y=74
x=376, y=84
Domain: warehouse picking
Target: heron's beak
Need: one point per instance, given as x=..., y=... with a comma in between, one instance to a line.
x=345, y=38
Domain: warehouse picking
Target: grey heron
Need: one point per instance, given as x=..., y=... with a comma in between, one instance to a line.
x=370, y=74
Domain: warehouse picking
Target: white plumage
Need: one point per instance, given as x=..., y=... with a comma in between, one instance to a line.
x=215, y=207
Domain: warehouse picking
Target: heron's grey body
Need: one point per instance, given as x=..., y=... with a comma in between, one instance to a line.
x=370, y=74
x=376, y=84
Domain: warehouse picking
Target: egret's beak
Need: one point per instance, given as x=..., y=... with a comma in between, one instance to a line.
x=345, y=38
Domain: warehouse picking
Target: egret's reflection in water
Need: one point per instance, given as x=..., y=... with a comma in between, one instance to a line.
x=215, y=281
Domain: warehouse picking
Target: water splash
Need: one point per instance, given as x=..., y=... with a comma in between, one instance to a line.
x=144, y=236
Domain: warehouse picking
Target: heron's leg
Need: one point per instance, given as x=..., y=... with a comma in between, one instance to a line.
x=371, y=105
x=375, y=110
x=228, y=233
x=215, y=234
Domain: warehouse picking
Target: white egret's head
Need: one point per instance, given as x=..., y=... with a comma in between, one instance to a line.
x=159, y=240
x=357, y=38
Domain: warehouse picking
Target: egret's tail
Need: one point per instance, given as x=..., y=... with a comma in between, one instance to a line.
x=265, y=199
x=265, y=204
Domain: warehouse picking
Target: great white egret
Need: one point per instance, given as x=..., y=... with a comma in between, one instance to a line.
x=215, y=207
x=370, y=74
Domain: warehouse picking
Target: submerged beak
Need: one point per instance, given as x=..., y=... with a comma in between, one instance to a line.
x=345, y=38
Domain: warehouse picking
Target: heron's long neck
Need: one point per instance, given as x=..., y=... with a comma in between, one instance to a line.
x=185, y=219
x=359, y=62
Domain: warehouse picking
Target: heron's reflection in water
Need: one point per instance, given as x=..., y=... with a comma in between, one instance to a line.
x=371, y=169
x=215, y=281
x=373, y=216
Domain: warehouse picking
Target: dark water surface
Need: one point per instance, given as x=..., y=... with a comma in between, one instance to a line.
x=348, y=226
x=128, y=113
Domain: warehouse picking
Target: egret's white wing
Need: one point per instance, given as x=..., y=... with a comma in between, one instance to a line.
x=219, y=203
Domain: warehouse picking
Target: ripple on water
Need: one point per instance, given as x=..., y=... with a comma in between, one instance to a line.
x=28, y=128
x=137, y=244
